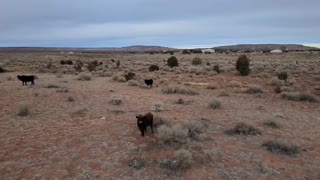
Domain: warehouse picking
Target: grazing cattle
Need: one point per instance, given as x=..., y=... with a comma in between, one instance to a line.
x=26, y=79
x=143, y=121
x=149, y=82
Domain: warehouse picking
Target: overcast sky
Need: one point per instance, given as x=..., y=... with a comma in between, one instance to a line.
x=173, y=23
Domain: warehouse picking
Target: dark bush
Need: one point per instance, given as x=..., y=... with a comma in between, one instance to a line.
x=62, y=62
x=2, y=70
x=154, y=68
x=118, y=64
x=78, y=66
x=129, y=76
x=197, y=61
x=242, y=65
x=281, y=147
x=172, y=61
x=185, y=51
x=216, y=68
x=92, y=66
x=283, y=76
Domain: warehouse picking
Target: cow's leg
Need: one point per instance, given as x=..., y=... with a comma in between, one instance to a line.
x=32, y=83
x=142, y=132
x=151, y=126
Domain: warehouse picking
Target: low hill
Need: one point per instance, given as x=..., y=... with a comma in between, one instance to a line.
x=265, y=47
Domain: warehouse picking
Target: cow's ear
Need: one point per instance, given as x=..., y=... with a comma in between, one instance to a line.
x=137, y=117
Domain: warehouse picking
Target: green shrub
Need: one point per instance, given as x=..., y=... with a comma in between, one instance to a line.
x=242, y=65
x=154, y=68
x=244, y=129
x=196, y=61
x=172, y=61
x=281, y=147
x=195, y=128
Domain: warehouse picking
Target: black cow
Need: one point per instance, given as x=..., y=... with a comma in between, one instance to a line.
x=143, y=121
x=149, y=82
x=26, y=79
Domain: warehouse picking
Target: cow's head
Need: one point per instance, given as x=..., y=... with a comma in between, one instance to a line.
x=139, y=119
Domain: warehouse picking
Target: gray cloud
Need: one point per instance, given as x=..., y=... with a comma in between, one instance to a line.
x=161, y=22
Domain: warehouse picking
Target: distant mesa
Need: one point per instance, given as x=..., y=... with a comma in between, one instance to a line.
x=274, y=48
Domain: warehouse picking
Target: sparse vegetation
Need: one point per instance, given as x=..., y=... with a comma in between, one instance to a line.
x=129, y=76
x=23, y=110
x=242, y=65
x=196, y=61
x=159, y=121
x=119, y=78
x=281, y=147
x=216, y=68
x=115, y=100
x=215, y=104
x=178, y=90
x=154, y=68
x=172, y=62
x=182, y=101
x=79, y=110
x=305, y=96
x=172, y=135
x=195, y=128
x=70, y=99
x=181, y=161
x=244, y=129
x=133, y=83
x=212, y=86
x=234, y=84
x=84, y=77
x=254, y=90
x=283, y=76
x=223, y=94
x=137, y=163
x=272, y=123
x=157, y=106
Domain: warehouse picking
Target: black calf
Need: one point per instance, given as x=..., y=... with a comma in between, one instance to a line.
x=149, y=82
x=143, y=121
x=26, y=79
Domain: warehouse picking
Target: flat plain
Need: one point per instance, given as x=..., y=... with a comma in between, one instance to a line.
x=82, y=125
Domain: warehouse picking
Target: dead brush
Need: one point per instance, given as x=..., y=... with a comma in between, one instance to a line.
x=244, y=129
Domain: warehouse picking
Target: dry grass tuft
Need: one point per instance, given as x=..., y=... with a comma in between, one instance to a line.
x=181, y=161
x=84, y=77
x=215, y=104
x=172, y=135
x=23, y=110
x=179, y=90
x=254, y=90
x=305, y=96
x=133, y=83
x=157, y=106
x=115, y=100
x=244, y=129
